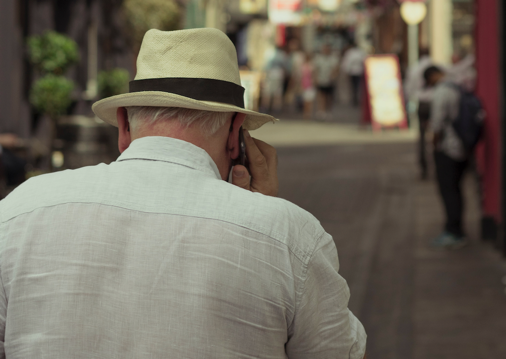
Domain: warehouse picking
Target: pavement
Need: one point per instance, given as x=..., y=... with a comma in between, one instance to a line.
x=310, y=133
x=415, y=303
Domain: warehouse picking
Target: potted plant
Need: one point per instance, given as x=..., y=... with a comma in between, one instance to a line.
x=113, y=82
x=52, y=54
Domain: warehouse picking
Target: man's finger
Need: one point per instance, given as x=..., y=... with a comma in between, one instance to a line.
x=262, y=166
x=257, y=162
x=240, y=177
x=270, y=154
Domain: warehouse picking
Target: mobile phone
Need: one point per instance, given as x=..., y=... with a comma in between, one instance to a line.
x=242, y=159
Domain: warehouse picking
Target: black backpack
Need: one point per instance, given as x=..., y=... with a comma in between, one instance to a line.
x=469, y=122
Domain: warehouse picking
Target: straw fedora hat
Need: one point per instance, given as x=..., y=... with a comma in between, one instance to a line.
x=195, y=69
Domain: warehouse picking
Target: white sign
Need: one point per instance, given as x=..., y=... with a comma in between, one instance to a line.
x=285, y=11
x=384, y=89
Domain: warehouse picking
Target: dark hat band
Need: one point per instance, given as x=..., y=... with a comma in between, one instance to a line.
x=195, y=88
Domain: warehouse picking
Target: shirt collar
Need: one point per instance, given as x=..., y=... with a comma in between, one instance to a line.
x=166, y=149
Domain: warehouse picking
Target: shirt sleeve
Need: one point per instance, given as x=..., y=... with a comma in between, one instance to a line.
x=323, y=326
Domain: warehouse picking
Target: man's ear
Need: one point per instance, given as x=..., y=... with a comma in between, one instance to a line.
x=233, y=136
x=124, y=134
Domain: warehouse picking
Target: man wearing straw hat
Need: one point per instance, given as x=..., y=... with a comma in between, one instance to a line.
x=156, y=255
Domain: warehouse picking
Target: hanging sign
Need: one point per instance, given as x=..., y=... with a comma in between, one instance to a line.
x=384, y=92
x=285, y=11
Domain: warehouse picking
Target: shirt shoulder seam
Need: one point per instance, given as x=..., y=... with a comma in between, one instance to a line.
x=291, y=250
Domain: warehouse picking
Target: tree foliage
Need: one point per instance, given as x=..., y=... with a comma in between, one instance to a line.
x=113, y=82
x=142, y=15
x=52, y=52
x=51, y=95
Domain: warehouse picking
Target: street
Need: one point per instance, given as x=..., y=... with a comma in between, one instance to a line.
x=415, y=303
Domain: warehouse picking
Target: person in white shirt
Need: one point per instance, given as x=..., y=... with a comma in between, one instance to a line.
x=156, y=255
x=325, y=69
x=353, y=66
x=275, y=72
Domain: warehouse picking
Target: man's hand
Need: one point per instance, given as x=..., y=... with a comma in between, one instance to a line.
x=263, y=164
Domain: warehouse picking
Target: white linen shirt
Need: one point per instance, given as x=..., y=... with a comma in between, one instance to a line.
x=154, y=256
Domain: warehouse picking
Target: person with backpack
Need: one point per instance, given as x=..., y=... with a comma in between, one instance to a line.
x=456, y=123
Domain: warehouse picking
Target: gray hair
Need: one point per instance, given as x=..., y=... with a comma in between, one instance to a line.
x=210, y=122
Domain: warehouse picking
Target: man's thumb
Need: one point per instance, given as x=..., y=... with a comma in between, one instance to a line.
x=240, y=177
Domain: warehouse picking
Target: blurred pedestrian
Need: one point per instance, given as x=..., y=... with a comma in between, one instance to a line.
x=451, y=153
x=308, y=88
x=275, y=71
x=353, y=65
x=325, y=70
x=12, y=167
x=293, y=95
x=156, y=255
x=417, y=90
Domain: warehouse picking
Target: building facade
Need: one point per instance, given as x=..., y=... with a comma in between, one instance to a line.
x=99, y=32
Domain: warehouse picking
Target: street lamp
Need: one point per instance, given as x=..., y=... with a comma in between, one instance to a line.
x=413, y=12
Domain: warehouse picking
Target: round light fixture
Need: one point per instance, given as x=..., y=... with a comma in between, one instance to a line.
x=413, y=12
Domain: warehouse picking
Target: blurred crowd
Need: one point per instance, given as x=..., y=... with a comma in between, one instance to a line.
x=307, y=82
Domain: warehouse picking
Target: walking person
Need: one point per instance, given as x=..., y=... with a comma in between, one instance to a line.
x=353, y=65
x=451, y=152
x=273, y=84
x=295, y=59
x=307, y=84
x=157, y=255
x=325, y=70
